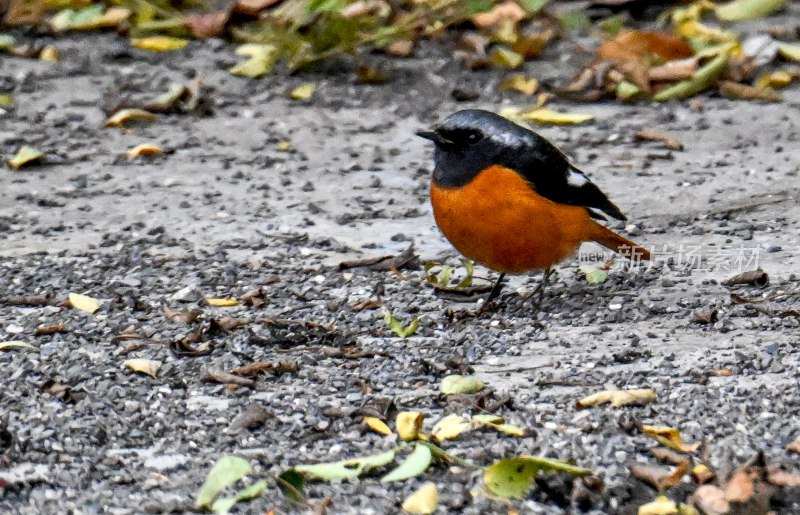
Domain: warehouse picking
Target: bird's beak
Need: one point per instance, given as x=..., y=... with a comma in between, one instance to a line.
x=434, y=136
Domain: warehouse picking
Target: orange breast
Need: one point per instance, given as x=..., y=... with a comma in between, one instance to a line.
x=498, y=220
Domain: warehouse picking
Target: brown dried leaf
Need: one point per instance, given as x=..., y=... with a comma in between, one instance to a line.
x=408, y=259
x=668, y=455
x=207, y=25
x=253, y=7
x=402, y=48
x=59, y=327
x=783, y=478
x=265, y=367
x=739, y=488
x=710, y=500
x=701, y=474
x=227, y=324
x=673, y=71
x=754, y=278
x=669, y=437
x=705, y=316
x=659, y=477
x=216, y=376
x=644, y=46
x=531, y=45
x=794, y=446
x=504, y=12
x=670, y=141
x=737, y=91
x=34, y=300
x=186, y=317
x=618, y=398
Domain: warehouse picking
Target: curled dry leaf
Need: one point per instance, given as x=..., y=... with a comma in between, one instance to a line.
x=159, y=43
x=409, y=424
x=503, y=12
x=423, y=501
x=671, y=71
x=25, y=155
x=207, y=25
x=146, y=150
x=216, y=376
x=265, y=367
x=546, y=116
x=59, y=327
x=519, y=83
x=222, y=302
x=458, y=384
x=144, y=366
x=618, y=398
x=738, y=91
x=645, y=47
x=669, y=141
x=377, y=425
x=227, y=324
x=670, y=437
x=704, y=78
x=187, y=317
x=84, y=303
x=659, y=477
x=415, y=464
x=123, y=116
x=407, y=259
x=755, y=278
x=15, y=344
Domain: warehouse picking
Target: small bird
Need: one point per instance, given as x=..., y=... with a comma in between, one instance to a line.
x=510, y=200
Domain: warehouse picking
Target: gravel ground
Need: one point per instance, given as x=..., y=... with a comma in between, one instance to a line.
x=230, y=209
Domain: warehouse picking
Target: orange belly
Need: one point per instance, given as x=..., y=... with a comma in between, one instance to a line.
x=498, y=220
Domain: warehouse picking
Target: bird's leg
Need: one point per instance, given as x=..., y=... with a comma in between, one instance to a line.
x=540, y=289
x=498, y=285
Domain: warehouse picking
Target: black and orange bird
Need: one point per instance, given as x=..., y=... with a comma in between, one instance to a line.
x=510, y=200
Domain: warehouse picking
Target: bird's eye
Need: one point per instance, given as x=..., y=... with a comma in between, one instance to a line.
x=473, y=137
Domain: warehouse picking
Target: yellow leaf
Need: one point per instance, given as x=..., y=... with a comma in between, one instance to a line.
x=159, y=43
x=423, y=501
x=661, y=506
x=6, y=100
x=377, y=425
x=703, y=79
x=742, y=10
x=284, y=146
x=776, y=79
x=519, y=83
x=618, y=398
x=49, y=53
x=261, y=60
x=24, y=156
x=15, y=344
x=84, y=302
x=145, y=366
x=408, y=424
x=669, y=437
x=548, y=116
x=789, y=52
x=123, y=116
x=505, y=58
x=89, y=18
x=450, y=427
x=303, y=91
x=222, y=303
x=145, y=149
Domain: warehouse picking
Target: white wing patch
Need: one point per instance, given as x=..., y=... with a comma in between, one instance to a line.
x=576, y=179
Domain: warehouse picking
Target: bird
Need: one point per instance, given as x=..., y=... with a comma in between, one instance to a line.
x=508, y=199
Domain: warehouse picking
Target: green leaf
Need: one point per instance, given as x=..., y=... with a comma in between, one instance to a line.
x=532, y=6
x=15, y=345
x=627, y=90
x=69, y=18
x=593, y=274
x=292, y=484
x=6, y=100
x=469, y=265
x=24, y=156
x=514, y=477
x=473, y=7
x=224, y=504
x=227, y=471
x=398, y=328
x=703, y=78
x=574, y=21
x=789, y=52
x=417, y=462
x=743, y=10
x=613, y=24
x=7, y=42
x=457, y=384
x=346, y=469
x=442, y=455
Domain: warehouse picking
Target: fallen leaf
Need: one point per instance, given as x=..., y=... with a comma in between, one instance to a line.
x=507, y=429
x=224, y=504
x=89, y=18
x=450, y=427
x=84, y=303
x=402, y=48
x=737, y=91
x=226, y=472
x=261, y=59
x=423, y=500
x=627, y=90
x=592, y=274
x=505, y=11
x=647, y=47
x=51, y=328
x=755, y=278
x=790, y=52
x=661, y=506
x=6, y=100
x=303, y=91
x=458, y=384
x=670, y=141
x=513, y=477
x=159, y=43
x=207, y=25
x=123, y=116
x=742, y=10
x=259, y=367
x=548, y=116
x=347, y=468
x=671, y=71
x=407, y=259
x=226, y=324
x=15, y=344
x=659, y=477
x=408, y=425
x=778, y=477
x=618, y=398
x=253, y=417
x=530, y=46
x=710, y=500
x=704, y=78
x=415, y=464
x=7, y=42
x=701, y=474
x=253, y=7
x=776, y=79
x=25, y=155
x=739, y=488
x=794, y=446
x=669, y=437
x=504, y=58
x=145, y=149
x=50, y=54
x=398, y=328
x=216, y=376
x=377, y=425
x=292, y=485
x=705, y=316
x=519, y=83
x=145, y=366
x=222, y=302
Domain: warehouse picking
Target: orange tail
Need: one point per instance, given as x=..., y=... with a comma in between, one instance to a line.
x=608, y=238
